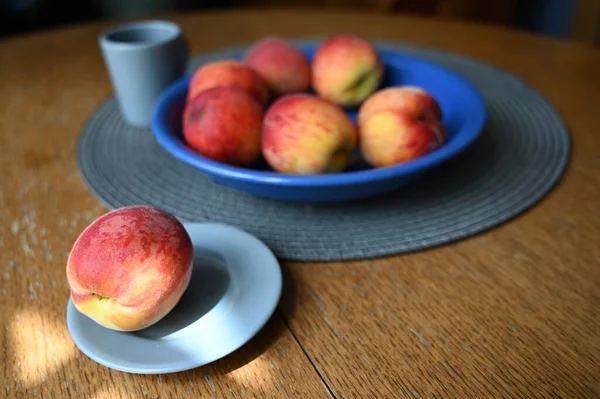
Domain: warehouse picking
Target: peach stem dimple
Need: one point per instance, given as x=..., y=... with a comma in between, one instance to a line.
x=101, y=298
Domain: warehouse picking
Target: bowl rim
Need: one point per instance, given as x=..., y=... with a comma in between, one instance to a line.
x=176, y=147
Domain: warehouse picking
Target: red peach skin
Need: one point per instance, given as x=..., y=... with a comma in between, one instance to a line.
x=393, y=137
x=224, y=124
x=283, y=66
x=346, y=69
x=228, y=73
x=415, y=100
x=129, y=268
x=305, y=134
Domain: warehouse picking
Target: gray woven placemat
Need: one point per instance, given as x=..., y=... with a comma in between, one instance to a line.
x=519, y=157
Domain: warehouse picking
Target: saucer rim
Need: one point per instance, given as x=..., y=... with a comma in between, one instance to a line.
x=262, y=317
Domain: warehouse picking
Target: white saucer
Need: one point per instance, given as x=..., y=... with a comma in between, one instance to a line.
x=235, y=287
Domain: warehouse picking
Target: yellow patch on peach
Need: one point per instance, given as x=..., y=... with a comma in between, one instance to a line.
x=305, y=134
x=394, y=137
x=381, y=135
x=346, y=69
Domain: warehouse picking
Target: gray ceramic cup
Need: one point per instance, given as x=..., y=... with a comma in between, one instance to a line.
x=143, y=59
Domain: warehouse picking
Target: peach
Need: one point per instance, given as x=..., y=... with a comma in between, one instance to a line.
x=283, y=66
x=346, y=69
x=305, y=134
x=224, y=124
x=229, y=73
x=399, y=124
x=416, y=100
x=392, y=137
x=129, y=268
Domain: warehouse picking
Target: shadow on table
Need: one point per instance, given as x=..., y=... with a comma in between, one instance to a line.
x=68, y=378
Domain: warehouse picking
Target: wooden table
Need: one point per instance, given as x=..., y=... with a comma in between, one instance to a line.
x=514, y=312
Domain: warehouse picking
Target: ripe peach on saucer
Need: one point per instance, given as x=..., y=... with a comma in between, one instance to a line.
x=129, y=268
x=305, y=134
x=283, y=66
x=228, y=73
x=346, y=69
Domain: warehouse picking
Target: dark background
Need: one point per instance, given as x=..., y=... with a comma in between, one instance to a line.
x=557, y=18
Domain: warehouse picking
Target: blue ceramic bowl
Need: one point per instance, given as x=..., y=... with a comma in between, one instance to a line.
x=464, y=115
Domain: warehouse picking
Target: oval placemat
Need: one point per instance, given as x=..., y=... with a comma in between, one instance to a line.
x=519, y=157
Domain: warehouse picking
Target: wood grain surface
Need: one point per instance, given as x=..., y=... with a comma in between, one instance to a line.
x=514, y=312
